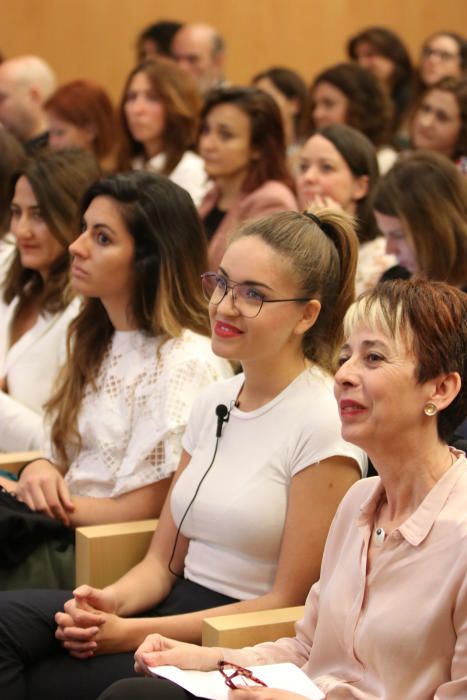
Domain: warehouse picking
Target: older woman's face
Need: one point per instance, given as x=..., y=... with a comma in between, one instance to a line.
x=377, y=392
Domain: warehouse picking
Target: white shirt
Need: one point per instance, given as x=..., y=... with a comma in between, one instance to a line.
x=132, y=423
x=189, y=173
x=236, y=522
x=30, y=366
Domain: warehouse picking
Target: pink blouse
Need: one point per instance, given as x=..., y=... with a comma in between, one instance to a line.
x=399, y=633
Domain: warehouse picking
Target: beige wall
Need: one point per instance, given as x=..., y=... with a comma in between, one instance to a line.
x=94, y=38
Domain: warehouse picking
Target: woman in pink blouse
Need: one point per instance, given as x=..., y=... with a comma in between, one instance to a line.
x=388, y=618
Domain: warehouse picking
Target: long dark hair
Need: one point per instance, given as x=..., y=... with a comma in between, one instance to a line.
x=170, y=256
x=267, y=133
x=58, y=180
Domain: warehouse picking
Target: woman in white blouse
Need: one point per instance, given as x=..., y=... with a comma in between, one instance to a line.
x=138, y=353
x=159, y=117
x=38, y=303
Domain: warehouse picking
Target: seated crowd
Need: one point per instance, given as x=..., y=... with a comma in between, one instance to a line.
x=240, y=309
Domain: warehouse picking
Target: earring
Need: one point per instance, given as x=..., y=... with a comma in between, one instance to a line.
x=430, y=409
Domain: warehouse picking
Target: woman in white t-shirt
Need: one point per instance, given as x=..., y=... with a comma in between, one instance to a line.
x=159, y=117
x=263, y=469
x=137, y=357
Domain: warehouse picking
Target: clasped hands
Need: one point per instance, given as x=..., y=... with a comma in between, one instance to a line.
x=89, y=625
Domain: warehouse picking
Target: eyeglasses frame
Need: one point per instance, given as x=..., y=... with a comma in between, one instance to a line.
x=242, y=284
x=238, y=671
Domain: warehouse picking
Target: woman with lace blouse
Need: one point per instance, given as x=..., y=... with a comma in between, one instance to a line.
x=138, y=354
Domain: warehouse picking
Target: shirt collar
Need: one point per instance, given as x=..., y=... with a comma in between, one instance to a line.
x=417, y=527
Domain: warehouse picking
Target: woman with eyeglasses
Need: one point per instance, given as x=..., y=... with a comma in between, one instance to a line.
x=263, y=470
x=443, y=55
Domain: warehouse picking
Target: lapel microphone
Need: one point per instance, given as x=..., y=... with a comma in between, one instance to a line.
x=223, y=415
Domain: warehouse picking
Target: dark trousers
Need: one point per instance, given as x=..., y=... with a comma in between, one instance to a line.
x=145, y=689
x=33, y=664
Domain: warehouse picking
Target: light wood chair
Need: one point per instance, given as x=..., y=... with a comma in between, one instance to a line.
x=106, y=552
x=13, y=461
x=247, y=629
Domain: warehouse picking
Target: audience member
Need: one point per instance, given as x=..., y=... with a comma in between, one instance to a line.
x=200, y=50
x=12, y=158
x=421, y=207
x=156, y=40
x=40, y=303
x=25, y=84
x=289, y=91
x=253, y=538
x=440, y=120
x=383, y=53
x=80, y=114
x=137, y=358
x=397, y=539
x=349, y=94
x=243, y=146
x=443, y=55
x=338, y=169
x=159, y=114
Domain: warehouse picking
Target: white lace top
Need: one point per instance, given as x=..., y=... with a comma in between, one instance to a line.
x=132, y=424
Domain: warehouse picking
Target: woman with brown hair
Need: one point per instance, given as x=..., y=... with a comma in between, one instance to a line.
x=243, y=145
x=349, y=94
x=159, y=115
x=81, y=115
x=439, y=122
x=137, y=356
x=421, y=208
x=338, y=169
x=382, y=52
x=39, y=301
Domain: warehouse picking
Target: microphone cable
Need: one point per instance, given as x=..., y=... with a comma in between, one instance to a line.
x=223, y=415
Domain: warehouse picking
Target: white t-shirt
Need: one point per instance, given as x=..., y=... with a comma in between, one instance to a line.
x=235, y=524
x=132, y=424
x=189, y=173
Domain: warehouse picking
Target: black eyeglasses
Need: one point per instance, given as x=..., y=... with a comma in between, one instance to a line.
x=246, y=298
x=428, y=52
x=244, y=674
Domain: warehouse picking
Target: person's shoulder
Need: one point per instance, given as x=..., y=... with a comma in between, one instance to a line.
x=358, y=495
x=272, y=190
x=190, y=159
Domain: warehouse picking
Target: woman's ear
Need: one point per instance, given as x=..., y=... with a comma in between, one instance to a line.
x=444, y=389
x=360, y=188
x=309, y=316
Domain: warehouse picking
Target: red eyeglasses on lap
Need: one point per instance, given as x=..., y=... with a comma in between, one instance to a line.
x=237, y=672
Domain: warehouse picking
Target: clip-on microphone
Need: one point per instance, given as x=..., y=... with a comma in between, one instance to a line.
x=223, y=415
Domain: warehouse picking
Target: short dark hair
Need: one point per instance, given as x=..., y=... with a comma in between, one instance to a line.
x=161, y=33
x=267, y=132
x=432, y=318
x=369, y=110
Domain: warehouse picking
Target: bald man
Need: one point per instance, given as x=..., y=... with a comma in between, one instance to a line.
x=25, y=84
x=200, y=50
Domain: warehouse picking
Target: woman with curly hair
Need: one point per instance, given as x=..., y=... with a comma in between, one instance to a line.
x=348, y=94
